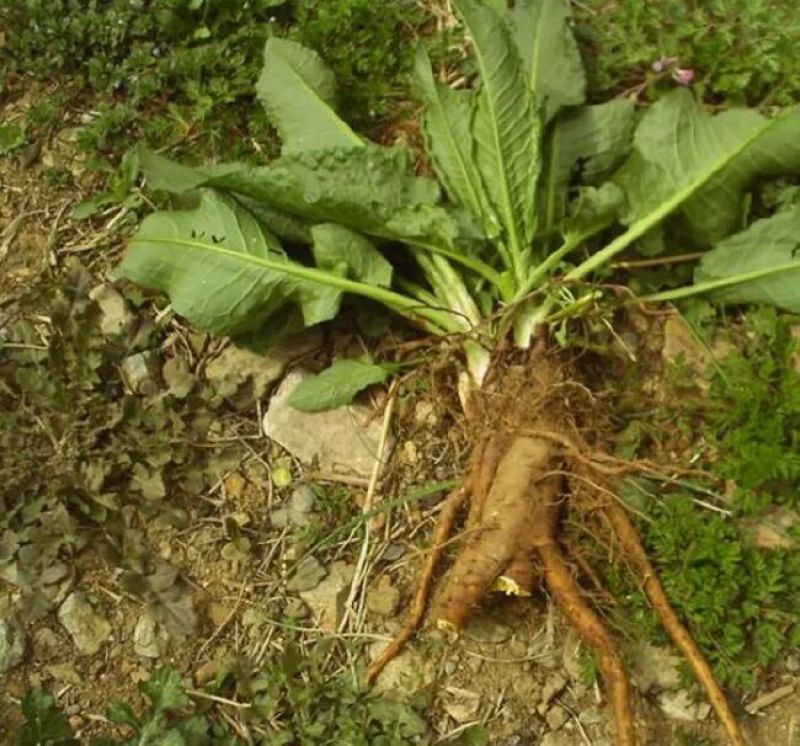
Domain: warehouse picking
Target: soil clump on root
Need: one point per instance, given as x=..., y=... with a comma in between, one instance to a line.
x=534, y=457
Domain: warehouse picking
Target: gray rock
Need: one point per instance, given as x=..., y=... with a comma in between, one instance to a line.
x=88, y=629
x=559, y=739
x=393, y=552
x=384, y=598
x=279, y=517
x=295, y=608
x=140, y=371
x=554, y=684
x=487, y=630
x=680, y=343
x=556, y=717
x=236, y=365
x=461, y=704
x=653, y=667
x=409, y=672
x=302, y=500
x=298, y=511
x=339, y=440
x=679, y=705
x=64, y=673
x=327, y=600
x=146, y=641
x=115, y=315
x=12, y=643
x=308, y=575
x=591, y=716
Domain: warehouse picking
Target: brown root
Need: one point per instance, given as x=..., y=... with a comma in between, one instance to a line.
x=513, y=521
x=632, y=546
x=444, y=528
x=570, y=600
x=528, y=444
x=486, y=468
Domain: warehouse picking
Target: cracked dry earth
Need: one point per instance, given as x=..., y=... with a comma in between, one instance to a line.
x=261, y=552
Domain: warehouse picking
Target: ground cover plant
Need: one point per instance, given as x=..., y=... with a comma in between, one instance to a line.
x=534, y=194
x=740, y=51
x=178, y=73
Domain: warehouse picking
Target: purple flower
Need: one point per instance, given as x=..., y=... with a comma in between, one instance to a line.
x=683, y=75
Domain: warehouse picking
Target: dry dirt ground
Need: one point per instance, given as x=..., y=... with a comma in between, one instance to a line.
x=516, y=668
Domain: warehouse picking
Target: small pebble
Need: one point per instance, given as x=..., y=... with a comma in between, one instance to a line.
x=556, y=717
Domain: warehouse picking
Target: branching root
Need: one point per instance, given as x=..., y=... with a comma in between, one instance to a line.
x=529, y=450
x=587, y=624
x=416, y=612
x=635, y=552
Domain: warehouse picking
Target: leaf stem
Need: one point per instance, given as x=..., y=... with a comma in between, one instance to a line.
x=540, y=272
x=471, y=262
x=436, y=322
x=654, y=217
x=709, y=286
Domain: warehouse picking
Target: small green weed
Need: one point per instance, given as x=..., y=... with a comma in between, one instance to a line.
x=369, y=48
x=742, y=51
x=96, y=452
x=174, y=72
x=291, y=701
x=742, y=602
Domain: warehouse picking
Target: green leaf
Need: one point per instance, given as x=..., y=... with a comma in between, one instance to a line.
x=551, y=61
x=123, y=714
x=91, y=206
x=595, y=209
x=597, y=138
x=12, y=136
x=44, y=724
x=169, y=176
x=767, y=249
x=349, y=254
x=715, y=182
x=446, y=126
x=298, y=92
x=370, y=189
x=220, y=268
x=165, y=691
x=280, y=223
x=337, y=385
x=225, y=273
x=676, y=143
x=505, y=128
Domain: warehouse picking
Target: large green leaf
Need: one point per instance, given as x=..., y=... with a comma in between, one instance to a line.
x=765, y=251
x=298, y=92
x=346, y=253
x=225, y=273
x=220, y=268
x=337, y=385
x=506, y=129
x=370, y=189
x=596, y=138
x=176, y=178
x=677, y=142
x=550, y=58
x=447, y=126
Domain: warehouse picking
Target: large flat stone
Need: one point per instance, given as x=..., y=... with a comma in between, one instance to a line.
x=343, y=440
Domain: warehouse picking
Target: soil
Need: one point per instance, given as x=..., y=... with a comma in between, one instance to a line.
x=515, y=666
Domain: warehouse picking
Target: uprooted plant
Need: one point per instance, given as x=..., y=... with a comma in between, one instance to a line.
x=500, y=253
